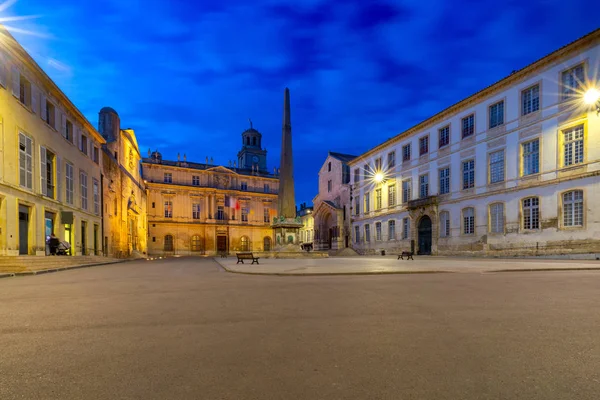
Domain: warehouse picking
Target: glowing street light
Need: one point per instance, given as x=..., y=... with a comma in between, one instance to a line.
x=592, y=97
x=379, y=177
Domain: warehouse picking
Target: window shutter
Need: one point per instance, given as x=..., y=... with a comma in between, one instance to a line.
x=22, y=160
x=43, y=106
x=3, y=65
x=43, y=171
x=63, y=125
x=80, y=141
x=58, y=179
x=57, y=118
x=16, y=82
x=29, y=162
x=34, y=99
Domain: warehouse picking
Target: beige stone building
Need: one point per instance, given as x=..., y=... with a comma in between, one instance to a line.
x=332, y=204
x=124, y=191
x=307, y=232
x=200, y=208
x=512, y=170
x=50, y=164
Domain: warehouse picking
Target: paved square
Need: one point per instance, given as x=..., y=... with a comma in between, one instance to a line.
x=186, y=329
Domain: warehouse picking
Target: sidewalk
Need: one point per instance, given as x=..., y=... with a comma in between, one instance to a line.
x=372, y=265
x=33, y=265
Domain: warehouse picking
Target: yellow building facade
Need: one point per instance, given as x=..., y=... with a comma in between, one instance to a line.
x=124, y=191
x=204, y=209
x=50, y=164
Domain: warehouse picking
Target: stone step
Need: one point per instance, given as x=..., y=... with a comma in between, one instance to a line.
x=33, y=263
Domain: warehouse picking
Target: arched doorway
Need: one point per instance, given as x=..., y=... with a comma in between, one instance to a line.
x=424, y=238
x=267, y=244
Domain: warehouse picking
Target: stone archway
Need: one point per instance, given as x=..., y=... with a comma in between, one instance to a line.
x=424, y=235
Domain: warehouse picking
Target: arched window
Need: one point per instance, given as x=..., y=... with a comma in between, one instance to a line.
x=248, y=140
x=469, y=221
x=531, y=213
x=168, y=243
x=196, y=243
x=267, y=243
x=245, y=243
x=497, y=218
x=254, y=141
x=573, y=208
x=444, y=224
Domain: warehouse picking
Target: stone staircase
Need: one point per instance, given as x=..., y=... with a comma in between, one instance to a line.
x=24, y=264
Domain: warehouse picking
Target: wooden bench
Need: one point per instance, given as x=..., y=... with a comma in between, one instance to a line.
x=246, y=256
x=407, y=254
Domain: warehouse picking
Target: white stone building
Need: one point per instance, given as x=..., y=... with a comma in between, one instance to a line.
x=512, y=170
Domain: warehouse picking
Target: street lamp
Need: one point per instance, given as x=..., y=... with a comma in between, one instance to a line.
x=379, y=177
x=592, y=97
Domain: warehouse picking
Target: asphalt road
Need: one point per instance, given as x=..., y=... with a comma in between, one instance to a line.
x=185, y=329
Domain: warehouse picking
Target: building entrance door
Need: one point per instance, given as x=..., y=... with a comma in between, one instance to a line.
x=424, y=236
x=222, y=244
x=83, y=238
x=23, y=230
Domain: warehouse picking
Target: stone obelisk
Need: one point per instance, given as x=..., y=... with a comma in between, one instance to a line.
x=286, y=226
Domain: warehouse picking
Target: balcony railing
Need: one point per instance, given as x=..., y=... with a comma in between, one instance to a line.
x=425, y=201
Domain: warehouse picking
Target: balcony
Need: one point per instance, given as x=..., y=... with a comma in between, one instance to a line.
x=425, y=201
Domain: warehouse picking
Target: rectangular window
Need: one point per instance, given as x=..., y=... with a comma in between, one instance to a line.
x=50, y=116
x=96, y=192
x=357, y=205
x=25, y=161
x=69, y=183
x=69, y=131
x=378, y=164
x=47, y=166
x=168, y=209
x=168, y=177
x=96, y=155
x=496, y=114
x=329, y=185
x=531, y=213
x=444, y=180
x=378, y=199
x=531, y=157
x=378, y=231
x=406, y=191
x=356, y=175
x=423, y=186
x=573, y=208
x=24, y=91
x=266, y=188
x=530, y=100
x=405, y=228
x=444, y=224
x=497, y=218
x=84, y=189
x=444, y=136
x=220, y=213
x=391, y=230
x=572, y=82
x=468, y=125
x=468, y=174
x=266, y=215
x=244, y=186
x=469, y=221
x=573, y=145
x=244, y=214
x=195, y=180
x=356, y=234
x=365, y=171
x=84, y=144
x=497, y=166
x=329, y=167
x=367, y=202
x=391, y=195
x=423, y=145
x=196, y=211
x=367, y=233
x=391, y=159
x=406, y=152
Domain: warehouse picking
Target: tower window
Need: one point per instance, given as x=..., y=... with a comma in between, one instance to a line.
x=248, y=140
x=254, y=141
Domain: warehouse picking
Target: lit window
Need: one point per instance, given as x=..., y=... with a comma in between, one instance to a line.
x=497, y=166
x=530, y=100
x=573, y=208
x=531, y=157
x=245, y=243
x=168, y=209
x=573, y=145
x=468, y=125
x=469, y=221
x=496, y=114
x=531, y=213
x=266, y=215
x=497, y=218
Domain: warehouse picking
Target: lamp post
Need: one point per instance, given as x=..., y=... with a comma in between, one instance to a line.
x=592, y=98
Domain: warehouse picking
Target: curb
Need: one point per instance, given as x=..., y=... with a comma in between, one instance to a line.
x=52, y=270
x=548, y=269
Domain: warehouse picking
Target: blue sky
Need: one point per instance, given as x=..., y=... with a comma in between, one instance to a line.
x=187, y=75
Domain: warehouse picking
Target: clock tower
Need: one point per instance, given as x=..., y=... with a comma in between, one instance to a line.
x=252, y=154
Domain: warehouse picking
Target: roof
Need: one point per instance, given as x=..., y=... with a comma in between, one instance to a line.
x=331, y=203
x=342, y=157
x=514, y=76
x=108, y=109
x=200, y=166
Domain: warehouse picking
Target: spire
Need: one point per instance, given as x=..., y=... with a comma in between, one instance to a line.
x=250, y=123
x=286, y=203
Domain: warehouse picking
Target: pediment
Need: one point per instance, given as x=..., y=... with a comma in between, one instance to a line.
x=222, y=170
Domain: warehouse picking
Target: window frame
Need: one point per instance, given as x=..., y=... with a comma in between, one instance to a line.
x=571, y=94
x=391, y=159
x=523, y=155
x=563, y=143
x=441, y=145
x=405, y=228
x=168, y=208
x=490, y=218
x=562, y=213
x=463, y=224
x=167, y=177
x=424, y=183
x=445, y=225
x=392, y=195
x=406, y=190
x=406, y=152
x=378, y=233
x=491, y=166
x=446, y=178
x=471, y=171
x=500, y=117
x=378, y=199
x=423, y=145
x=391, y=229
x=539, y=99
x=531, y=207
x=462, y=126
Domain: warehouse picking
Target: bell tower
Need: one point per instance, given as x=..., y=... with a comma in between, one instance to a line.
x=252, y=154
